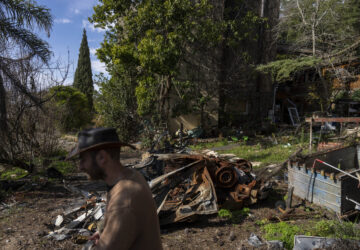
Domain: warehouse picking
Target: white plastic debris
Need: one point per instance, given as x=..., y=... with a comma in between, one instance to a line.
x=254, y=240
x=98, y=213
x=212, y=154
x=60, y=237
x=275, y=244
x=59, y=220
x=78, y=220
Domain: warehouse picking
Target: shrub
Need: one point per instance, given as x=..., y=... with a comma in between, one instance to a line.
x=72, y=108
x=115, y=103
x=282, y=231
x=336, y=229
x=13, y=174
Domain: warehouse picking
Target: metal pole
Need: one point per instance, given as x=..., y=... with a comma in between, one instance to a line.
x=310, y=144
x=333, y=167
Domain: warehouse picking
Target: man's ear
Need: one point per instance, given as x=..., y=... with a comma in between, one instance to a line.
x=102, y=157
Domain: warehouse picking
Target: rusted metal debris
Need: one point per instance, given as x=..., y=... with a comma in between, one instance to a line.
x=190, y=185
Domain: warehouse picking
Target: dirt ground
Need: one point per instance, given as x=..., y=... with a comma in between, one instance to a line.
x=24, y=224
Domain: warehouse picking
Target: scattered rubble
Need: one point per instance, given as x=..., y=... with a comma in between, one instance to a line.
x=79, y=222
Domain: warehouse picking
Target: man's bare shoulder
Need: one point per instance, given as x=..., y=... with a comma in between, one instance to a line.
x=129, y=189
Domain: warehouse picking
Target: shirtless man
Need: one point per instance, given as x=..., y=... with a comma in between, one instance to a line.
x=131, y=221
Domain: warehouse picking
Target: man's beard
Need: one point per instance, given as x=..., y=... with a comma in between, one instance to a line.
x=95, y=172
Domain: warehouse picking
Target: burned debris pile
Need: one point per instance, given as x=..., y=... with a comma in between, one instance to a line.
x=186, y=185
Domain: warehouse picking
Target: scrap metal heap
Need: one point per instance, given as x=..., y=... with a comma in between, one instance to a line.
x=190, y=185
x=184, y=186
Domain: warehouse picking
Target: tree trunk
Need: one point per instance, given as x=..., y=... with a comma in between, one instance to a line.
x=3, y=112
x=313, y=39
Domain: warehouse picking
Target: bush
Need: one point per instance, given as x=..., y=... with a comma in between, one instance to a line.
x=282, y=231
x=235, y=216
x=65, y=167
x=13, y=174
x=356, y=95
x=116, y=107
x=72, y=108
x=336, y=229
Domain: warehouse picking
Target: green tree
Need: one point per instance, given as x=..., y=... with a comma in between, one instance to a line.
x=149, y=41
x=17, y=20
x=116, y=106
x=319, y=34
x=73, y=111
x=20, y=48
x=169, y=49
x=83, y=75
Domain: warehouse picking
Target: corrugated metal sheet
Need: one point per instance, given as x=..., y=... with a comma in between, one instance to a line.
x=323, y=185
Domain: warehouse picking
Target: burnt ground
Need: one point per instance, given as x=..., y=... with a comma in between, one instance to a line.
x=32, y=212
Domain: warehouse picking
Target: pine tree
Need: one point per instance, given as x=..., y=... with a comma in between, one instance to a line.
x=83, y=75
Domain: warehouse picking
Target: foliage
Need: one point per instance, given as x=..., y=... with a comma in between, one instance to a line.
x=225, y=213
x=13, y=173
x=356, y=95
x=262, y=222
x=282, y=231
x=116, y=105
x=72, y=108
x=25, y=127
x=159, y=50
x=285, y=232
x=336, y=229
x=318, y=34
x=235, y=216
x=65, y=167
x=17, y=21
x=284, y=70
x=83, y=75
x=324, y=19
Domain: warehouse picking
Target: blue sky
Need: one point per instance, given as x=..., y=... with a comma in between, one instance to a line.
x=70, y=17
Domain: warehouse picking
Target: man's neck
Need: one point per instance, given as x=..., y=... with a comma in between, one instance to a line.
x=114, y=174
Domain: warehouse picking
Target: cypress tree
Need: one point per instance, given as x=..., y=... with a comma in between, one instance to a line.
x=83, y=75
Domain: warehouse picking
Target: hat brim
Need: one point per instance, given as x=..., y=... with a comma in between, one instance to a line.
x=76, y=151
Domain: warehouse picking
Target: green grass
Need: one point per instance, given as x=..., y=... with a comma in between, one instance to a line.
x=65, y=167
x=259, y=149
x=265, y=155
x=285, y=232
x=13, y=173
x=236, y=216
x=208, y=145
